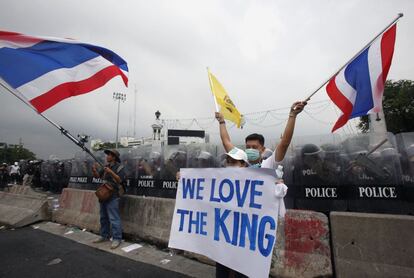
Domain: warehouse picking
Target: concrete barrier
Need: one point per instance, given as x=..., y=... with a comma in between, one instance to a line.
x=372, y=245
x=147, y=218
x=302, y=246
x=17, y=210
x=24, y=190
x=79, y=208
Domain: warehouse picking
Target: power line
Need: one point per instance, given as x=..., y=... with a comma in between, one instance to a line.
x=273, y=117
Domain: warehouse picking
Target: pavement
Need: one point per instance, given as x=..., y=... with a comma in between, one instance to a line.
x=49, y=249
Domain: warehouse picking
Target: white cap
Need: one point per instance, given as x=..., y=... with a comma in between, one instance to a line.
x=16, y=163
x=238, y=154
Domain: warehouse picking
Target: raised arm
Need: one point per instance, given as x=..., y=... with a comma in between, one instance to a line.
x=283, y=146
x=224, y=135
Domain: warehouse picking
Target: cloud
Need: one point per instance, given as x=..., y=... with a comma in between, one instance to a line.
x=267, y=54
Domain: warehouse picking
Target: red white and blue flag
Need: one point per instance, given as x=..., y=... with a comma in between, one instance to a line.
x=358, y=88
x=45, y=71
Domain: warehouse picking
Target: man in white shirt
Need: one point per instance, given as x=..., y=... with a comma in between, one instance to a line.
x=255, y=142
x=15, y=172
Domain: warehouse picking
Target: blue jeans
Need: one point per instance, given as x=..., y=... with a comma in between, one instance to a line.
x=110, y=219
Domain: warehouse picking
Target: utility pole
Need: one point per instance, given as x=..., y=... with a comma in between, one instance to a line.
x=135, y=109
x=118, y=97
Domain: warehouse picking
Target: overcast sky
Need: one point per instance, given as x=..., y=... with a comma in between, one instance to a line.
x=267, y=54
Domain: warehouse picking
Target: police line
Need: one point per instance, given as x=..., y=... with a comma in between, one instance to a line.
x=167, y=189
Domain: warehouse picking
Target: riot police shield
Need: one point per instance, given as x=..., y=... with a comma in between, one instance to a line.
x=36, y=167
x=288, y=169
x=128, y=161
x=46, y=172
x=201, y=156
x=149, y=163
x=318, y=170
x=405, y=143
x=175, y=158
x=374, y=177
x=81, y=172
x=221, y=156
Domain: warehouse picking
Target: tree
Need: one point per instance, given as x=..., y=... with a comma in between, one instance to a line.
x=14, y=153
x=398, y=106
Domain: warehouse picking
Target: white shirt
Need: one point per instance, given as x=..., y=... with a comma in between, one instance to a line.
x=280, y=188
x=14, y=169
x=270, y=162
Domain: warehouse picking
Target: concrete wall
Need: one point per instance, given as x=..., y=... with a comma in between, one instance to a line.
x=146, y=218
x=24, y=190
x=18, y=210
x=372, y=245
x=302, y=248
x=79, y=208
x=364, y=245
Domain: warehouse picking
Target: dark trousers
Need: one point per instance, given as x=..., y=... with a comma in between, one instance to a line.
x=225, y=272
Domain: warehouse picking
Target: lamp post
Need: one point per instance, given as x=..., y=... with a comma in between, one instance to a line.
x=118, y=97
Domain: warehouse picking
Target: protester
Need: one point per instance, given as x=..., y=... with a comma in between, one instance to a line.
x=114, y=175
x=255, y=143
x=15, y=172
x=28, y=176
x=234, y=158
x=4, y=175
x=37, y=172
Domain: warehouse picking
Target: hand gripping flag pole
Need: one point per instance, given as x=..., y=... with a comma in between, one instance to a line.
x=356, y=55
x=61, y=129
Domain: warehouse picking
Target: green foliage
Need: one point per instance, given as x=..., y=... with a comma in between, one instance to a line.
x=363, y=124
x=398, y=105
x=15, y=153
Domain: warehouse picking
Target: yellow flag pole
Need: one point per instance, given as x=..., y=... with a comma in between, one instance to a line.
x=212, y=90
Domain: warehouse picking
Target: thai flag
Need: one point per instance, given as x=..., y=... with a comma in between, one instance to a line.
x=45, y=71
x=358, y=88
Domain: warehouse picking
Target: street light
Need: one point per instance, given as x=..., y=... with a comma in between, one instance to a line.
x=118, y=97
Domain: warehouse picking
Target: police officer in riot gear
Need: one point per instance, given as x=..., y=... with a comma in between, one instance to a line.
x=319, y=174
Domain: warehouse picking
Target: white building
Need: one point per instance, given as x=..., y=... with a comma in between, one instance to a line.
x=161, y=136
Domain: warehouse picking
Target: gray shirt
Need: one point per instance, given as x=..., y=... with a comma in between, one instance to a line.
x=118, y=169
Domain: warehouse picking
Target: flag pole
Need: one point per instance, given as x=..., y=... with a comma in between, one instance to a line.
x=61, y=129
x=211, y=88
x=356, y=55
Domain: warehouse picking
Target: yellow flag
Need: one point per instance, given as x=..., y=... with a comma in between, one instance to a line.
x=227, y=107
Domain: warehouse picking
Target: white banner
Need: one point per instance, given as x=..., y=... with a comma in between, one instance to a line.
x=229, y=215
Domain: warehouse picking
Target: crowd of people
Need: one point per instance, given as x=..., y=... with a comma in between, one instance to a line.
x=49, y=176
x=9, y=174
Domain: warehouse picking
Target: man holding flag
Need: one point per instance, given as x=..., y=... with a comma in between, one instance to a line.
x=255, y=143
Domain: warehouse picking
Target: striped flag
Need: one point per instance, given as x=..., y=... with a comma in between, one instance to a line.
x=358, y=88
x=45, y=71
